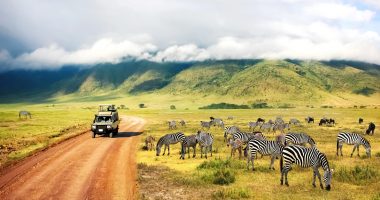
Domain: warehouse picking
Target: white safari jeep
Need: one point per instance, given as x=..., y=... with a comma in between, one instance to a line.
x=106, y=122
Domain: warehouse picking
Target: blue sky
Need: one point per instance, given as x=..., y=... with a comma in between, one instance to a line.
x=52, y=33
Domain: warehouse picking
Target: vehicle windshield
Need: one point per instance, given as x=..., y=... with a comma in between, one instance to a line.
x=103, y=119
x=106, y=108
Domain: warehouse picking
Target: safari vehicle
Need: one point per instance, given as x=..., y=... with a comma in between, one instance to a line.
x=106, y=122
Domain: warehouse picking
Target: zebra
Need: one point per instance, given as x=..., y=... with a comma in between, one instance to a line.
x=281, y=127
x=245, y=137
x=230, y=130
x=24, y=113
x=205, y=141
x=279, y=120
x=172, y=125
x=253, y=125
x=264, y=147
x=230, y=118
x=305, y=157
x=217, y=122
x=352, y=139
x=189, y=141
x=149, y=142
x=168, y=139
x=299, y=139
x=294, y=121
x=267, y=126
x=182, y=122
x=235, y=144
x=205, y=124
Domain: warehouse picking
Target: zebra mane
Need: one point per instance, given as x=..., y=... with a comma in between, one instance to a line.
x=366, y=142
x=324, y=162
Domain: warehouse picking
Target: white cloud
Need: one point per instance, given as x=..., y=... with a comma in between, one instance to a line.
x=189, y=52
x=338, y=11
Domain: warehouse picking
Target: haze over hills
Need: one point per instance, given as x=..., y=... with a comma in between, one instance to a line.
x=273, y=81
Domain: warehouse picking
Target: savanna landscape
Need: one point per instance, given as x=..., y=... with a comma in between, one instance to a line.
x=92, y=92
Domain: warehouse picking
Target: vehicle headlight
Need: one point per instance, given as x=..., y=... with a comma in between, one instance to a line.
x=108, y=126
x=93, y=127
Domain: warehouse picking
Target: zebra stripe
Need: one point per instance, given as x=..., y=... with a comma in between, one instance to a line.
x=205, y=141
x=230, y=130
x=189, y=141
x=352, y=139
x=299, y=139
x=245, y=137
x=264, y=147
x=305, y=157
x=167, y=140
x=205, y=124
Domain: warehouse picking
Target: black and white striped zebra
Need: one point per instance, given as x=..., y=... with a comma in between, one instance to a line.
x=172, y=124
x=305, y=157
x=352, y=139
x=217, y=122
x=205, y=141
x=281, y=127
x=264, y=147
x=205, y=124
x=245, y=137
x=167, y=140
x=299, y=139
x=229, y=130
x=253, y=125
x=189, y=141
x=266, y=126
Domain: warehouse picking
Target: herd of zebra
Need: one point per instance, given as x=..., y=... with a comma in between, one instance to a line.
x=291, y=148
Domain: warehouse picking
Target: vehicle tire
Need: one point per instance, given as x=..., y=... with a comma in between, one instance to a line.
x=93, y=135
x=111, y=135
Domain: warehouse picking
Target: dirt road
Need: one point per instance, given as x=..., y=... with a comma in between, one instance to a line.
x=79, y=168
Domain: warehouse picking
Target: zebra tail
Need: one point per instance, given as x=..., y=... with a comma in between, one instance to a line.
x=281, y=163
x=337, y=145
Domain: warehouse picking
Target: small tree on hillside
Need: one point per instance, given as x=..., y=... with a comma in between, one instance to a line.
x=172, y=107
x=141, y=105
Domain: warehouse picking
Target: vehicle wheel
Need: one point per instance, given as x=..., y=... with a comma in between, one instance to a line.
x=111, y=135
x=93, y=135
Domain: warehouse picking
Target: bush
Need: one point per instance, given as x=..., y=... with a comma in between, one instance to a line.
x=260, y=105
x=363, y=107
x=231, y=194
x=224, y=106
x=141, y=105
x=286, y=105
x=359, y=175
x=366, y=91
x=219, y=163
x=223, y=177
x=172, y=107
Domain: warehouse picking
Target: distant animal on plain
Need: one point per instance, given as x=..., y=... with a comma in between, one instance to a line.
x=25, y=114
x=217, y=122
x=167, y=140
x=149, y=142
x=294, y=121
x=205, y=124
x=172, y=125
x=235, y=145
x=230, y=117
x=361, y=120
x=253, y=125
x=309, y=119
x=189, y=141
x=261, y=120
x=182, y=122
x=371, y=128
x=352, y=139
x=205, y=141
x=326, y=121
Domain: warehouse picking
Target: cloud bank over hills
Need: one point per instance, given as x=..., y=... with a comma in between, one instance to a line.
x=53, y=34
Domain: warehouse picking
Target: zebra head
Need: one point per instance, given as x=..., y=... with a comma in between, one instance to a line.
x=158, y=146
x=367, y=146
x=327, y=176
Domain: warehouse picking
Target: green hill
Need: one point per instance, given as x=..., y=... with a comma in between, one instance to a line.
x=273, y=81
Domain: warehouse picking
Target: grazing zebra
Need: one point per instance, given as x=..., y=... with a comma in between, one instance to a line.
x=361, y=120
x=235, y=145
x=294, y=121
x=189, y=141
x=279, y=120
x=230, y=117
x=281, y=127
x=253, y=125
x=205, y=124
x=371, y=128
x=149, y=142
x=309, y=119
x=271, y=121
x=299, y=139
x=264, y=147
x=205, y=141
x=245, y=137
x=217, y=122
x=168, y=139
x=266, y=126
x=182, y=122
x=24, y=113
x=305, y=157
x=230, y=130
x=172, y=125
x=352, y=139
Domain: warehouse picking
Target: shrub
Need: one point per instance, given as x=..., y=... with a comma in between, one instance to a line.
x=358, y=175
x=224, y=106
x=172, y=107
x=286, y=105
x=260, y=105
x=219, y=163
x=362, y=107
x=366, y=91
x=238, y=193
x=223, y=176
x=141, y=105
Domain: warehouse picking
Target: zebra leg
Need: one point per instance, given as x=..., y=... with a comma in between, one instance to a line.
x=341, y=148
x=194, y=151
x=358, y=150
x=168, y=150
x=201, y=152
x=314, y=175
x=164, y=150
x=253, y=163
x=211, y=150
x=239, y=149
x=319, y=177
x=286, y=177
x=353, y=150
x=206, y=150
x=273, y=157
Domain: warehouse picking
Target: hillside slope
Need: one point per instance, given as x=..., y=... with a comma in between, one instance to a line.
x=276, y=81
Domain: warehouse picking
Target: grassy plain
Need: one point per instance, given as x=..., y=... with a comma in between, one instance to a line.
x=354, y=178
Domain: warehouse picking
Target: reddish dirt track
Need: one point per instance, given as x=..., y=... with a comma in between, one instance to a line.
x=79, y=168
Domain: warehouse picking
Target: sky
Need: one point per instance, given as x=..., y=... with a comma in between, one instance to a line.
x=48, y=34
